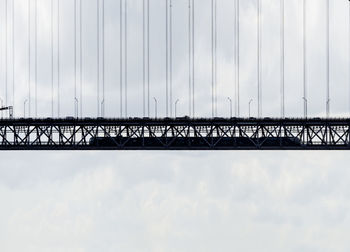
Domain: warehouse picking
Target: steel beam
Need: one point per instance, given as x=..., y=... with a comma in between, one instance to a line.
x=175, y=134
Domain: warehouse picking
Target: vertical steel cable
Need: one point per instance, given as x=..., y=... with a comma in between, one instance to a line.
x=171, y=57
x=282, y=60
x=148, y=57
x=235, y=51
x=259, y=60
x=13, y=56
x=98, y=56
x=6, y=47
x=167, y=57
x=29, y=58
x=212, y=58
x=215, y=59
x=75, y=59
x=143, y=58
x=126, y=59
x=81, y=55
x=327, y=61
x=237, y=59
x=121, y=57
x=58, y=58
x=349, y=55
x=193, y=69
x=2, y=67
x=103, y=58
x=304, y=60
x=189, y=60
x=52, y=62
x=36, y=58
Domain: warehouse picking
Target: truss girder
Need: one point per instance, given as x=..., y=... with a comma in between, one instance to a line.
x=175, y=134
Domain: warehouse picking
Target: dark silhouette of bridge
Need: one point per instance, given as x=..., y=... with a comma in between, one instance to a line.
x=175, y=134
x=172, y=132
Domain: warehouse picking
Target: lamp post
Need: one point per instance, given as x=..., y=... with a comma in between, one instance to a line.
x=76, y=107
x=24, y=107
x=305, y=106
x=2, y=104
x=155, y=107
x=328, y=107
x=103, y=108
x=230, y=100
x=176, y=102
x=250, y=101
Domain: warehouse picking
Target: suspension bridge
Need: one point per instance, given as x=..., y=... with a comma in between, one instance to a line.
x=64, y=42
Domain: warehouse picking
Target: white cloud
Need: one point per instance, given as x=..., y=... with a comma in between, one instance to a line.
x=178, y=202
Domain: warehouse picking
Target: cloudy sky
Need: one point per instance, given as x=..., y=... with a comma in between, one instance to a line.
x=178, y=201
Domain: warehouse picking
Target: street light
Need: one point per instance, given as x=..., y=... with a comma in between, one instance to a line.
x=176, y=102
x=230, y=100
x=76, y=107
x=155, y=106
x=2, y=105
x=103, y=108
x=24, y=110
x=328, y=107
x=305, y=106
x=250, y=101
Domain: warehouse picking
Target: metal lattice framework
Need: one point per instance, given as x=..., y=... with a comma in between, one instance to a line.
x=174, y=134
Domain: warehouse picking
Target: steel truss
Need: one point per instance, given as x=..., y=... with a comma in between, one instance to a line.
x=174, y=134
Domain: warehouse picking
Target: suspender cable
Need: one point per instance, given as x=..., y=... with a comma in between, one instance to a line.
x=1, y=49
x=193, y=76
x=171, y=57
x=126, y=59
x=121, y=57
x=148, y=58
x=6, y=47
x=58, y=58
x=215, y=58
x=144, y=58
x=191, y=69
x=212, y=59
x=282, y=60
x=189, y=60
x=328, y=53
x=167, y=56
x=13, y=56
x=146, y=101
x=237, y=60
x=75, y=60
x=52, y=63
x=235, y=50
x=36, y=58
x=259, y=60
x=98, y=57
x=29, y=58
x=81, y=54
x=349, y=55
x=304, y=59
x=146, y=49
x=103, y=58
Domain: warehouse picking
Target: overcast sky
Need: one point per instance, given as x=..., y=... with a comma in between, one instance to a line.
x=179, y=201
x=316, y=57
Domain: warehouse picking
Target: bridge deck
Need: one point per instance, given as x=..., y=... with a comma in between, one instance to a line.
x=175, y=134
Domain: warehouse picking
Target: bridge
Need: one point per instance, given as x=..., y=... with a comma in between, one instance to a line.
x=175, y=134
x=64, y=60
